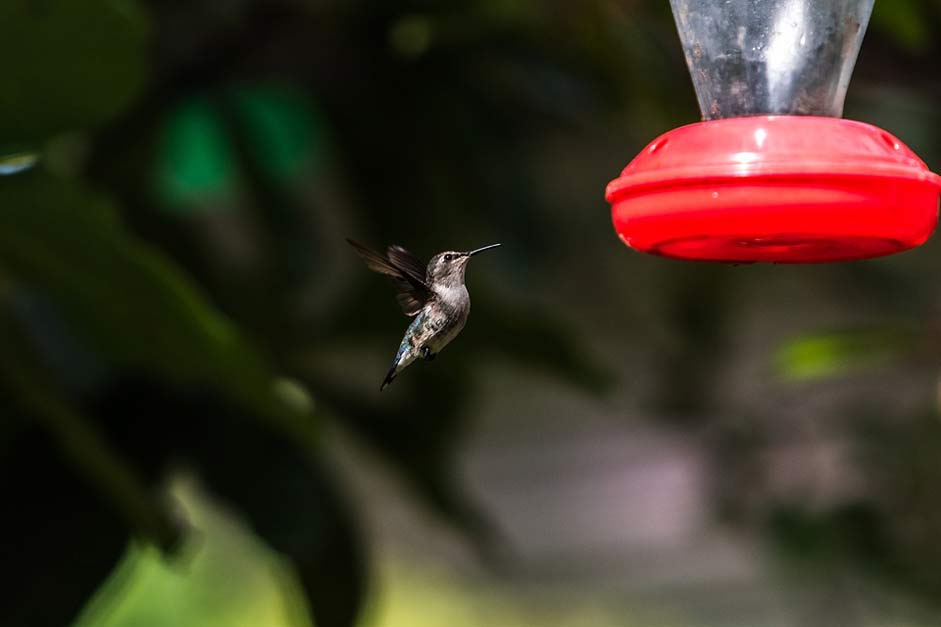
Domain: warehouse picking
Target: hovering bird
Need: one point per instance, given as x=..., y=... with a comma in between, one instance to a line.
x=435, y=295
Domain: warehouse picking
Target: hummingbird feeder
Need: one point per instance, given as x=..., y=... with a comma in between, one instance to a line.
x=773, y=173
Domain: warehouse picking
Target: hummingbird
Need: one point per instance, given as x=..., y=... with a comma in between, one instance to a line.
x=434, y=295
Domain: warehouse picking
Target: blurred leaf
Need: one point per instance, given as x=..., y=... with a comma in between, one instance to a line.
x=80, y=442
x=67, y=64
x=289, y=497
x=13, y=161
x=60, y=537
x=64, y=494
x=830, y=354
x=294, y=504
x=411, y=35
x=903, y=20
x=227, y=579
x=129, y=302
x=286, y=131
x=195, y=163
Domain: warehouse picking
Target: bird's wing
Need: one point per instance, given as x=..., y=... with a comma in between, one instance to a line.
x=406, y=272
x=407, y=262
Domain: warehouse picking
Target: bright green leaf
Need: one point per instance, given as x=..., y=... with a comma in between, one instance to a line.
x=830, y=354
x=229, y=579
x=195, y=162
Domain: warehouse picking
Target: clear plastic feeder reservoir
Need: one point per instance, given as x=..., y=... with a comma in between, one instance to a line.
x=773, y=174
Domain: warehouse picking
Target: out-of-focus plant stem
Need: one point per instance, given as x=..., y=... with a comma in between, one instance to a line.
x=115, y=479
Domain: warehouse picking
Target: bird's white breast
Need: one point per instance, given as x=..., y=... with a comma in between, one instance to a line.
x=450, y=313
x=455, y=296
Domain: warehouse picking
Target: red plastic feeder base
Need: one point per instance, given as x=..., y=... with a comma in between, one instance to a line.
x=780, y=189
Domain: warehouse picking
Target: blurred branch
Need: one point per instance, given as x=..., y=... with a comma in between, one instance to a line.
x=115, y=478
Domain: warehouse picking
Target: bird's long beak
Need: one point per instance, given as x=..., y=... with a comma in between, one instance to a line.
x=480, y=250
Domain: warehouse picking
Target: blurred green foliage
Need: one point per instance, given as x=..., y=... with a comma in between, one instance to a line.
x=196, y=166
x=68, y=65
x=146, y=589
x=907, y=21
x=121, y=366
x=828, y=354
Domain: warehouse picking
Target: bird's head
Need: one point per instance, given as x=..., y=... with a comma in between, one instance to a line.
x=447, y=268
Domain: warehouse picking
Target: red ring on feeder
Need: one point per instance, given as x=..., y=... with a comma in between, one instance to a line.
x=781, y=189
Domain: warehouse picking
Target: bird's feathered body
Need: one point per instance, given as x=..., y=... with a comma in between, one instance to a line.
x=433, y=328
x=435, y=295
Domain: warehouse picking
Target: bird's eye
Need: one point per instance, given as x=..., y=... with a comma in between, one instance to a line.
x=448, y=257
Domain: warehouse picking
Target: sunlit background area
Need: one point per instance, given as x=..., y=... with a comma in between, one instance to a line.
x=191, y=428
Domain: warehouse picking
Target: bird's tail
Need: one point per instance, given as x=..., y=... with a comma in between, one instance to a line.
x=389, y=376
